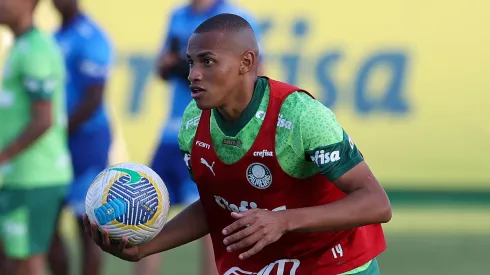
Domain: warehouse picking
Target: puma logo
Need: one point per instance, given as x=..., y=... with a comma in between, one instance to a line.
x=203, y=161
x=187, y=158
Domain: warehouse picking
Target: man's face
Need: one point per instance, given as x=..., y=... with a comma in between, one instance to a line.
x=10, y=11
x=214, y=68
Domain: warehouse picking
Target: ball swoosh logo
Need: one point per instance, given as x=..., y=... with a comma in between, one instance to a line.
x=135, y=176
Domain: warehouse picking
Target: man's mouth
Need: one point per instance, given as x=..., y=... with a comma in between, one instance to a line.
x=196, y=91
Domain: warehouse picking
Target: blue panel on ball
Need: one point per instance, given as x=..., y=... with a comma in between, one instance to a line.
x=141, y=199
x=110, y=211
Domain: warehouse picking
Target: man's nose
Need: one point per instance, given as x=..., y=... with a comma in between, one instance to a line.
x=195, y=74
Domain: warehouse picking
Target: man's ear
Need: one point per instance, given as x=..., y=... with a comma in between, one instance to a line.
x=248, y=62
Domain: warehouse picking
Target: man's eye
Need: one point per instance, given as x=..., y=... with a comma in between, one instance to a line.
x=208, y=61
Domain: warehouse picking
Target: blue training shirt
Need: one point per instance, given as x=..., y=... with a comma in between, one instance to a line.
x=88, y=55
x=183, y=22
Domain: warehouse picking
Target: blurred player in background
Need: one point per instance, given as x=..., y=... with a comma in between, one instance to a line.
x=172, y=66
x=34, y=159
x=88, y=53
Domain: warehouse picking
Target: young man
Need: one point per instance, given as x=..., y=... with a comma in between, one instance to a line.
x=173, y=68
x=88, y=54
x=302, y=199
x=34, y=159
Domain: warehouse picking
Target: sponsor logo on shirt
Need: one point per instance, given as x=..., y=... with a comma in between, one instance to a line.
x=50, y=85
x=203, y=144
x=205, y=162
x=263, y=153
x=232, y=142
x=242, y=207
x=93, y=69
x=32, y=85
x=321, y=157
x=192, y=122
x=14, y=229
x=281, y=122
x=187, y=160
x=259, y=175
x=279, y=267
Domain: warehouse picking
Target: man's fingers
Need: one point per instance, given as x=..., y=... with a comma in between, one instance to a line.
x=95, y=234
x=239, y=235
x=86, y=225
x=122, y=244
x=246, y=242
x=237, y=216
x=105, y=239
x=254, y=250
x=243, y=222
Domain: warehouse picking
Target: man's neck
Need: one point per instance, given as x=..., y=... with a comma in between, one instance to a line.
x=70, y=15
x=23, y=25
x=238, y=101
x=202, y=5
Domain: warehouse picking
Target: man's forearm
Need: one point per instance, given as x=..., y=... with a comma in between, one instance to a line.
x=34, y=130
x=83, y=112
x=87, y=107
x=359, y=208
x=181, y=69
x=187, y=226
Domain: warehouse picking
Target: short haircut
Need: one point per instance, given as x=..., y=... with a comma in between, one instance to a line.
x=225, y=22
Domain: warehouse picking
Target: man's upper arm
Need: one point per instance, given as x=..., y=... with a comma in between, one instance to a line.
x=94, y=61
x=326, y=143
x=40, y=78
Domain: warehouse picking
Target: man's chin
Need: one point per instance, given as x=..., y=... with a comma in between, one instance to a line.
x=203, y=106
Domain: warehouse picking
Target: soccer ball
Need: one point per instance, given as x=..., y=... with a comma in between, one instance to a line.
x=128, y=200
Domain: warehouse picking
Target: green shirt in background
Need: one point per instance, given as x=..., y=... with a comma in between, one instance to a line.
x=34, y=71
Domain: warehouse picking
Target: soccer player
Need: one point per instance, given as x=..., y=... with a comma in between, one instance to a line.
x=34, y=159
x=283, y=188
x=88, y=54
x=173, y=68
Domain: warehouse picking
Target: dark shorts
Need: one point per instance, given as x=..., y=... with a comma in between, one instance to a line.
x=28, y=219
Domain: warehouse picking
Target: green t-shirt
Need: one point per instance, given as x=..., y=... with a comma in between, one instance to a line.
x=309, y=140
x=34, y=71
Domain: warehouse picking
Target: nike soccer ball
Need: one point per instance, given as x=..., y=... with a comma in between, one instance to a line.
x=128, y=200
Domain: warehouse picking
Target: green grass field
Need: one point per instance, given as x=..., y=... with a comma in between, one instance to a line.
x=449, y=240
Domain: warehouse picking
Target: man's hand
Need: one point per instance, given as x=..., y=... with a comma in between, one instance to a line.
x=168, y=60
x=260, y=228
x=132, y=254
x=166, y=64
